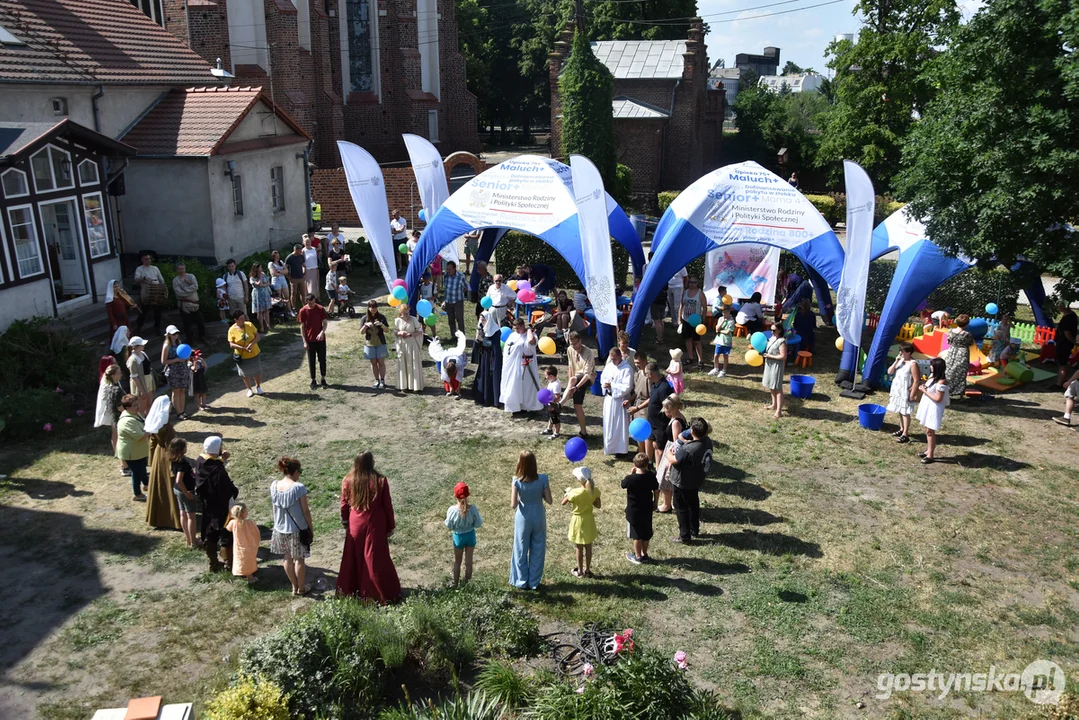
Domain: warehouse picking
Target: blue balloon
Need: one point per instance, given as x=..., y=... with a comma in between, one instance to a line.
x=759, y=341
x=978, y=327
x=424, y=308
x=400, y=293
x=506, y=332
x=736, y=307
x=486, y=302
x=992, y=308
x=183, y=351
x=694, y=319
x=423, y=215
x=640, y=429
x=576, y=449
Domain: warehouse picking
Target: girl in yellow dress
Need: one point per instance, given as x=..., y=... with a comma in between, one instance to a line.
x=245, y=543
x=582, y=524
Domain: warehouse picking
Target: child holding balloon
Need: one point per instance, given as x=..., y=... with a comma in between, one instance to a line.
x=554, y=407
x=724, y=342
x=582, y=524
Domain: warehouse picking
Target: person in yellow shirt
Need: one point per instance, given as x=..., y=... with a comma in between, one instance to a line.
x=244, y=341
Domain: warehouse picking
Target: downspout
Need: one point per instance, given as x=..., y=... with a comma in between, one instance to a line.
x=666, y=129
x=307, y=182
x=93, y=104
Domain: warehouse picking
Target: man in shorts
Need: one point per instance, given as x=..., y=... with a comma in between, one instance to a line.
x=582, y=371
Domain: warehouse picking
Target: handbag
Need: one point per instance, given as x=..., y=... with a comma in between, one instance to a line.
x=307, y=535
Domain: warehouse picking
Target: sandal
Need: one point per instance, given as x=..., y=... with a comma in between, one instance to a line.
x=903, y=439
x=181, y=416
x=576, y=573
x=927, y=460
x=588, y=574
x=897, y=433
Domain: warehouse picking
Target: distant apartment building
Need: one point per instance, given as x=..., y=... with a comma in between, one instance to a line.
x=803, y=82
x=764, y=64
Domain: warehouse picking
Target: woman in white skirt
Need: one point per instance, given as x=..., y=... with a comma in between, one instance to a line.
x=931, y=408
x=904, y=389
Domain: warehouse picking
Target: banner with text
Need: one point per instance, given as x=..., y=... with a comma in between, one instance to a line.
x=743, y=270
x=368, y=193
x=528, y=193
x=431, y=182
x=595, y=238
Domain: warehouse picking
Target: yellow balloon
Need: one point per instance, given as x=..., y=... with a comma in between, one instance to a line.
x=394, y=302
x=547, y=346
x=513, y=285
x=728, y=300
x=701, y=329
x=839, y=344
x=754, y=358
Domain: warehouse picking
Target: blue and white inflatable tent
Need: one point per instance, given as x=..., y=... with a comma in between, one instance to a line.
x=742, y=203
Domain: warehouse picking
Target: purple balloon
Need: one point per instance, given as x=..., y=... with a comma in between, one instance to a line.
x=524, y=285
x=576, y=449
x=545, y=396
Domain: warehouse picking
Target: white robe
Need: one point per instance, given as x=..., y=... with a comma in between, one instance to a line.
x=445, y=355
x=520, y=382
x=616, y=417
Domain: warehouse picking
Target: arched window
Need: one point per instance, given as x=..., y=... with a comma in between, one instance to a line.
x=14, y=183
x=460, y=174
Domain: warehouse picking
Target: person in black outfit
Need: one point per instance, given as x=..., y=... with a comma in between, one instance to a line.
x=642, y=496
x=295, y=263
x=214, y=488
x=689, y=466
x=1065, y=342
x=658, y=390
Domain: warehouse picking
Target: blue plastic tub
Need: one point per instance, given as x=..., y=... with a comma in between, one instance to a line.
x=871, y=416
x=802, y=386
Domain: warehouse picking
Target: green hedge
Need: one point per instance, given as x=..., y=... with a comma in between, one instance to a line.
x=205, y=276
x=826, y=206
x=665, y=198
x=517, y=248
x=623, y=185
x=969, y=292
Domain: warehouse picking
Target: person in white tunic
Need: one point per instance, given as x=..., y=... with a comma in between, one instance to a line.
x=502, y=299
x=617, y=383
x=409, y=335
x=520, y=378
x=452, y=363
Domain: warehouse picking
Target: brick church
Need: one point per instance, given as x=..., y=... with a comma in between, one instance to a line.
x=668, y=125
x=356, y=70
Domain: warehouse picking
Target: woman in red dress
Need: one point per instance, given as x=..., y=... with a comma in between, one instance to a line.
x=367, y=570
x=117, y=303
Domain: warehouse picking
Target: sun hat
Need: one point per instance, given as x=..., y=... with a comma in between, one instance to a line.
x=212, y=445
x=135, y=341
x=172, y=330
x=220, y=282
x=582, y=473
x=676, y=353
x=460, y=491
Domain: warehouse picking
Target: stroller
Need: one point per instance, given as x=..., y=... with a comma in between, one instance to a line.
x=280, y=311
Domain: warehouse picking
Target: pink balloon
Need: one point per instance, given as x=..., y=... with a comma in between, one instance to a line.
x=47, y=427
x=399, y=283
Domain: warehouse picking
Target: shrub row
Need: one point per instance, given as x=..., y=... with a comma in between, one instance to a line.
x=338, y=659
x=517, y=248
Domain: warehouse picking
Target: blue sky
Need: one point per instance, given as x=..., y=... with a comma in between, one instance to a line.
x=800, y=36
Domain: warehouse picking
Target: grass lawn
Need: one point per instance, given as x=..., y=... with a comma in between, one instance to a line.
x=832, y=556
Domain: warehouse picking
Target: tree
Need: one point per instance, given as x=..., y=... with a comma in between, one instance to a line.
x=879, y=82
x=641, y=20
x=769, y=121
x=791, y=68
x=993, y=166
x=587, y=92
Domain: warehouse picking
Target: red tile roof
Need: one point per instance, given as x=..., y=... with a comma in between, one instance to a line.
x=93, y=42
x=198, y=121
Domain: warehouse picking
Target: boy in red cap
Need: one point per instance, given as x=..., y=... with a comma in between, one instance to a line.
x=463, y=518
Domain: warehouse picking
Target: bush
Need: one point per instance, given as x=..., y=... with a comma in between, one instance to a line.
x=623, y=185
x=586, y=87
x=333, y=657
x=24, y=413
x=205, y=277
x=516, y=248
x=968, y=292
x=885, y=207
x=665, y=198
x=826, y=206
x=475, y=706
x=249, y=699
x=501, y=682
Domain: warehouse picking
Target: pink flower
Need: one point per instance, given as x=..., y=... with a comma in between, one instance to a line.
x=59, y=389
x=580, y=690
x=47, y=427
x=67, y=421
x=627, y=633
x=589, y=670
x=80, y=413
x=683, y=665
x=619, y=643
x=680, y=656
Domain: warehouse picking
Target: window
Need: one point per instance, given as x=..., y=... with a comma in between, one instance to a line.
x=360, y=59
x=96, y=231
x=432, y=125
x=59, y=105
x=427, y=42
x=14, y=182
x=88, y=174
x=24, y=233
x=52, y=169
x=151, y=9
x=277, y=188
x=237, y=195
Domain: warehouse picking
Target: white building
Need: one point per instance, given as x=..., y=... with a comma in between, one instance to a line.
x=805, y=82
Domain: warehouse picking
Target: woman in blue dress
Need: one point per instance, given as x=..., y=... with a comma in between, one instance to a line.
x=530, y=491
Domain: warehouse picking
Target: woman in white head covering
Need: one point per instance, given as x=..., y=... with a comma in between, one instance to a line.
x=107, y=412
x=141, y=373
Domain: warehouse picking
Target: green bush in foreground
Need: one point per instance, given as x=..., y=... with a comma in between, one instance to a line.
x=249, y=699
